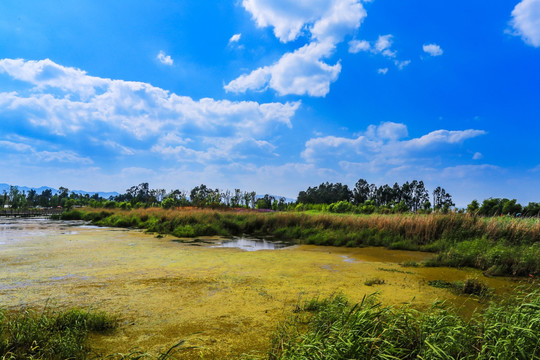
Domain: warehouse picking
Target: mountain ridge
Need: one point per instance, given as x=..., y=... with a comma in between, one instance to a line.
x=104, y=194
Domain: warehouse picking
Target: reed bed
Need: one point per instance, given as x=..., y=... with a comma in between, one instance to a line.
x=332, y=328
x=501, y=246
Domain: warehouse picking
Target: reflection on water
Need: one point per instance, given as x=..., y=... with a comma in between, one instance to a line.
x=252, y=244
x=20, y=229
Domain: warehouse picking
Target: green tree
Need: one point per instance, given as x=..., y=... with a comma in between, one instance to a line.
x=360, y=191
x=200, y=195
x=473, y=207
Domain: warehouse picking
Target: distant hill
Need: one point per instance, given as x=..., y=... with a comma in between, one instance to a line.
x=39, y=190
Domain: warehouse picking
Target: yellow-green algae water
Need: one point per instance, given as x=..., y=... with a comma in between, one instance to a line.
x=225, y=301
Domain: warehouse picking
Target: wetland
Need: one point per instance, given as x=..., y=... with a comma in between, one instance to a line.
x=212, y=293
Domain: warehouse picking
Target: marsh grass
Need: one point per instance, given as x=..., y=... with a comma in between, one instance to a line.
x=471, y=286
x=500, y=246
x=49, y=334
x=332, y=328
x=374, y=281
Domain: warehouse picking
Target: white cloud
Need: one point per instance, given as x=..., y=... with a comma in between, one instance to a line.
x=303, y=71
x=164, y=59
x=477, y=156
x=355, y=46
x=383, y=45
x=391, y=131
x=402, y=64
x=383, y=144
x=432, y=49
x=442, y=137
x=19, y=147
x=68, y=102
x=32, y=155
x=133, y=107
x=526, y=21
x=46, y=74
x=217, y=149
x=325, y=20
x=235, y=38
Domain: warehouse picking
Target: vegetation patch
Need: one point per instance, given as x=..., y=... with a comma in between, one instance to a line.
x=374, y=281
x=334, y=329
x=50, y=334
x=471, y=286
x=395, y=271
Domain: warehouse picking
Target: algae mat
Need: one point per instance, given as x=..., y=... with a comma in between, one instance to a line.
x=224, y=301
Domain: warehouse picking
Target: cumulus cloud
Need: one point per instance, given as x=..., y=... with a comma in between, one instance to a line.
x=303, y=71
x=356, y=46
x=526, y=21
x=134, y=107
x=477, y=156
x=383, y=144
x=65, y=101
x=432, y=49
x=382, y=46
x=235, y=38
x=324, y=20
x=164, y=59
x=391, y=131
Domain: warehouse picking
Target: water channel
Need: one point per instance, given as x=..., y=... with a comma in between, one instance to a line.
x=214, y=293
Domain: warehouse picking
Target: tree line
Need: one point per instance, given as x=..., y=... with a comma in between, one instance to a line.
x=410, y=196
x=332, y=197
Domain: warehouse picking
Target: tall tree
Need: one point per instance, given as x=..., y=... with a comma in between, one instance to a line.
x=360, y=191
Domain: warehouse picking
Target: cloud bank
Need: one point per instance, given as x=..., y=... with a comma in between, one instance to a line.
x=64, y=102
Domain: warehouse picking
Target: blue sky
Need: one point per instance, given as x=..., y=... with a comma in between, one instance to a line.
x=272, y=95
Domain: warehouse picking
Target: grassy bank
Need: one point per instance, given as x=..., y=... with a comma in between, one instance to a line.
x=501, y=246
x=334, y=329
x=49, y=334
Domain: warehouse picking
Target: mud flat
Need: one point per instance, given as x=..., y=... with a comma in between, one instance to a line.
x=224, y=300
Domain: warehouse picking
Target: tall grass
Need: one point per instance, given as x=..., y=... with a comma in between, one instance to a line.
x=501, y=245
x=334, y=329
x=48, y=334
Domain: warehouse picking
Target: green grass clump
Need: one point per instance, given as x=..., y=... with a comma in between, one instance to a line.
x=497, y=258
x=334, y=329
x=374, y=281
x=49, y=334
x=471, y=286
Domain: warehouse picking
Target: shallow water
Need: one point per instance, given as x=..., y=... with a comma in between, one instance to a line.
x=249, y=244
x=224, y=300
